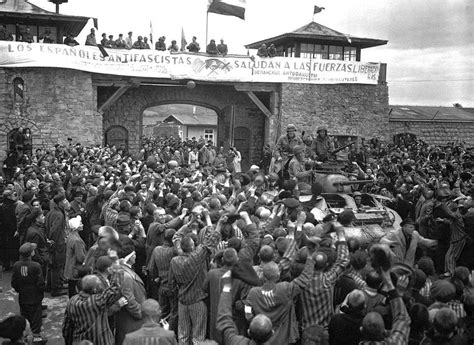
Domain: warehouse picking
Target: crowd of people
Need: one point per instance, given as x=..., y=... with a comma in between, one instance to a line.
x=176, y=244
x=121, y=42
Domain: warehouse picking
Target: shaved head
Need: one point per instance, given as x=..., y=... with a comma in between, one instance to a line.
x=271, y=272
x=356, y=300
x=266, y=253
x=320, y=260
x=230, y=257
x=261, y=328
x=151, y=308
x=90, y=284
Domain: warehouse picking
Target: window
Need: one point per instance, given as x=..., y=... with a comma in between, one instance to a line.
x=350, y=53
x=335, y=53
x=321, y=51
x=18, y=89
x=209, y=135
x=314, y=51
x=290, y=51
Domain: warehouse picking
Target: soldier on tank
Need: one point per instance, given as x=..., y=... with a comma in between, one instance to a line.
x=321, y=144
x=297, y=170
x=286, y=143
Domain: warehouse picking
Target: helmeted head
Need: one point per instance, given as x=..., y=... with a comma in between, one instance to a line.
x=291, y=130
x=322, y=131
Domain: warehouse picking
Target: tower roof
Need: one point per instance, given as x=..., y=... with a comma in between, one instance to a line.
x=24, y=12
x=317, y=33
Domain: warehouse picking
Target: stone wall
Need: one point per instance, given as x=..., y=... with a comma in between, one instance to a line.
x=436, y=133
x=57, y=104
x=346, y=109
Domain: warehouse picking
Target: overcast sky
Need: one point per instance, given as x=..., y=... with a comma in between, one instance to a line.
x=429, y=54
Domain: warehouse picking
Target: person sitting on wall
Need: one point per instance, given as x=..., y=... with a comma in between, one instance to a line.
x=161, y=45
x=139, y=43
x=222, y=48
x=110, y=42
x=194, y=47
x=145, y=43
x=173, y=47
x=129, y=40
x=272, y=52
x=211, y=48
x=47, y=37
x=26, y=36
x=120, y=42
x=4, y=34
x=90, y=39
x=262, y=51
x=71, y=41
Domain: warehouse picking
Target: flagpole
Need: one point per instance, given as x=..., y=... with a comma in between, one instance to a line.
x=207, y=27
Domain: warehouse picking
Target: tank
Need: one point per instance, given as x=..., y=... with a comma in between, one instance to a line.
x=372, y=219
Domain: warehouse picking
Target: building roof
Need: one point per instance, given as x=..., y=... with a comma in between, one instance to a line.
x=317, y=33
x=190, y=120
x=413, y=113
x=24, y=12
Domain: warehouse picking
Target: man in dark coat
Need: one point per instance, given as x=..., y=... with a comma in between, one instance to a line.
x=56, y=221
x=23, y=214
x=36, y=234
x=9, y=239
x=129, y=317
x=222, y=48
x=27, y=280
x=158, y=270
x=211, y=48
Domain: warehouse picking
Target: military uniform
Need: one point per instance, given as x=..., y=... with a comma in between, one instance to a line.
x=322, y=146
x=222, y=48
x=298, y=171
x=285, y=145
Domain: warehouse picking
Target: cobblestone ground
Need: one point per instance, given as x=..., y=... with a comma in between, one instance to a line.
x=52, y=324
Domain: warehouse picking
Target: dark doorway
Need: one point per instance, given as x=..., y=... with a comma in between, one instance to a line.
x=404, y=139
x=19, y=139
x=242, y=137
x=118, y=136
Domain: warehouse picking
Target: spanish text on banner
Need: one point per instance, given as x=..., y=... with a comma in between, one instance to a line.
x=155, y=64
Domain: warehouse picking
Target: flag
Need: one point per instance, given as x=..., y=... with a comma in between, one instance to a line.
x=183, y=40
x=151, y=32
x=102, y=50
x=234, y=8
x=96, y=23
x=317, y=9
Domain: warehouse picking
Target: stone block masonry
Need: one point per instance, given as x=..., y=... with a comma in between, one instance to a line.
x=346, y=109
x=436, y=133
x=57, y=104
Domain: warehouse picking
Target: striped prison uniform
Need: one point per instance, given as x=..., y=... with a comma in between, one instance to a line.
x=188, y=273
x=457, y=243
x=317, y=297
x=86, y=315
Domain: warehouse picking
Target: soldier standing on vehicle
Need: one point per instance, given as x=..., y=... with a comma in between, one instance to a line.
x=321, y=145
x=296, y=169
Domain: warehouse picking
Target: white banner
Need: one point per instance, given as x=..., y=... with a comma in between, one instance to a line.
x=156, y=64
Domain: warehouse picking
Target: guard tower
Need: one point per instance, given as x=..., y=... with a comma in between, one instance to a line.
x=17, y=15
x=319, y=42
